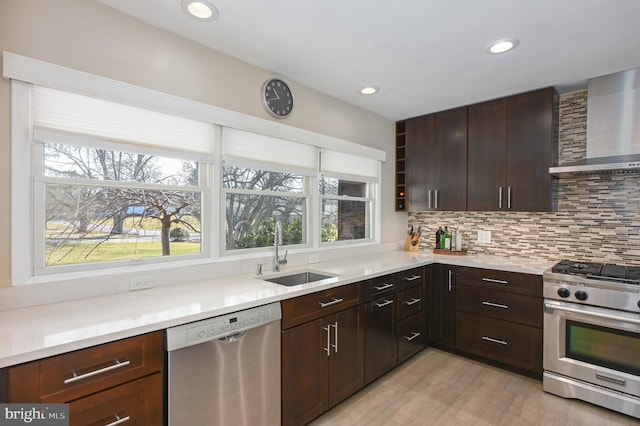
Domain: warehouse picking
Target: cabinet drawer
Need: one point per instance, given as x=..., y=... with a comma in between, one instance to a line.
x=507, y=281
x=316, y=305
x=410, y=301
x=136, y=403
x=378, y=287
x=500, y=305
x=411, y=336
x=513, y=344
x=69, y=376
x=410, y=278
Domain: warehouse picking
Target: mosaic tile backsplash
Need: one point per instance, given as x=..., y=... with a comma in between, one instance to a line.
x=598, y=217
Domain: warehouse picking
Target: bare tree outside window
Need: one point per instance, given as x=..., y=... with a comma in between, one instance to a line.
x=255, y=199
x=103, y=205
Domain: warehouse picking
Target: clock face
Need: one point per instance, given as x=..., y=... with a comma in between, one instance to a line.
x=277, y=98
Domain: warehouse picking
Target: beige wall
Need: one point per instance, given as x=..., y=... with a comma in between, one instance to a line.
x=87, y=36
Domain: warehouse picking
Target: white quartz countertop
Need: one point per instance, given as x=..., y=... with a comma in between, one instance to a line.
x=36, y=332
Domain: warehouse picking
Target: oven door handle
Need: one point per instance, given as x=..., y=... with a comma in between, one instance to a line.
x=592, y=313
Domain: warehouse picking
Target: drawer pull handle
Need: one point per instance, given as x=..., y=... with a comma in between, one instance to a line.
x=411, y=302
x=383, y=287
x=412, y=336
x=493, y=280
x=119, y=421
x=495, y=305
x=333, y=302
x=383, y=303
x=412, y=278
x=492, y=340
x=115, y=366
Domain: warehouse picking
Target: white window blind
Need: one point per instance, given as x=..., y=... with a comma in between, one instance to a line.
x=340, y=164
x=247, y=148
x=69, y=112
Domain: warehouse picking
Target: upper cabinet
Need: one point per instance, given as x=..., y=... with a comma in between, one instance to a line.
x=436, y=161
x=511, y=142
x=492, y=156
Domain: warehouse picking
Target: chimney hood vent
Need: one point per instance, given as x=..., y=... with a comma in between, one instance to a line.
x=613, y=127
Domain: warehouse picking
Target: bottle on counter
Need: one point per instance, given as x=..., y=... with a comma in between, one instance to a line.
x=439, y=233
x=447, y=239
x=458, y=243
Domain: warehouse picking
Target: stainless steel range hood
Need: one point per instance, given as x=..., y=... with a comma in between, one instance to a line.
x=613, y=126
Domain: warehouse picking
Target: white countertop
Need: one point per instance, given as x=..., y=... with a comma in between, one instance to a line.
x=32, y=333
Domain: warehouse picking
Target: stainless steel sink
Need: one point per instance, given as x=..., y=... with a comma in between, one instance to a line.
x=298, y=278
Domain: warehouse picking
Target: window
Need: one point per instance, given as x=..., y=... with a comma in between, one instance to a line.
x=265, y=180
x=347, y=190
x=109, y=188
x=107, y=175
x=255, y=199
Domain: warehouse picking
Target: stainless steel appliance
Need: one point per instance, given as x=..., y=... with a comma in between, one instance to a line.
x=226, y=370
x=592, y=334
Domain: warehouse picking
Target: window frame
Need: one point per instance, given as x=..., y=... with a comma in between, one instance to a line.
x=24, y=72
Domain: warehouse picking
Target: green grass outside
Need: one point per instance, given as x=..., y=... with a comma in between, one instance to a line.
x=81, y=252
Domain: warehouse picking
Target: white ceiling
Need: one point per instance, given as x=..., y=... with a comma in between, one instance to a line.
x=424, y=55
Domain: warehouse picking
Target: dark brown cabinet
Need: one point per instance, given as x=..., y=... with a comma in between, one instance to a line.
x=102, y=384
x=499, y=317
x=322, y=352
x=436, y=160
x=511, y=144
x=412, y=324
x=395, y=320
x=443, y=305
x=381, y=310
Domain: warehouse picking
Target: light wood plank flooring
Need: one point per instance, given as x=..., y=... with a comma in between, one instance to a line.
x=438, y=388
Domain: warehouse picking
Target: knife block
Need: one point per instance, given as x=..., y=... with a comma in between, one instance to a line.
x=412, y=243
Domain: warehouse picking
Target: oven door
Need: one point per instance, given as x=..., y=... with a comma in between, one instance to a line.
x=594, y=345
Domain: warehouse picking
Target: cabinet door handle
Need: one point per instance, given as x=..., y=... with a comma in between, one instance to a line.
x=492, y=340
x=411, y=336
x=495, y=305
x=335, y=336
x=333, y=302
x=435, y=199
x=412, y=278
x=328, y=347
x=383, y=287
x=500, y=197
x=508, y=197
x=383, y=303
x=493, y=280
x=429, y=199
x=119, y=421
x=450, y=280
x=115, y=366
x=411, y=302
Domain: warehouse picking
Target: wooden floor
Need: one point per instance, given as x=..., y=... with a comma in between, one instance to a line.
x=438, y=388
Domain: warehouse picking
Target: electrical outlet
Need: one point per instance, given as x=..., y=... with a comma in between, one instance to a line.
x=314, y=258
x=484, y=237
x=141, y=282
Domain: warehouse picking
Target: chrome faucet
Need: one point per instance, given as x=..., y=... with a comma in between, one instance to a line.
x=277, y=240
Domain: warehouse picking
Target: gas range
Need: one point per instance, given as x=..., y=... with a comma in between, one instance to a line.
x=597, y=284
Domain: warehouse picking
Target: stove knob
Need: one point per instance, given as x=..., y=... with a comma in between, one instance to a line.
x=564, y=292
x=581, y=295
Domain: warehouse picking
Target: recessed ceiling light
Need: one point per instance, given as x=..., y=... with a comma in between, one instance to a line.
x=502, y=46
x=368, y=90
x=201, y=10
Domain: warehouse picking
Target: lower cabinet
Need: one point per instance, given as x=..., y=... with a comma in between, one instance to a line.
x=322, y=358
x=381, y=349
x=115, y=383
x=443, y=305
x=499, y=317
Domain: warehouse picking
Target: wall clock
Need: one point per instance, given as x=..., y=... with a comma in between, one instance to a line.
x=277, y=98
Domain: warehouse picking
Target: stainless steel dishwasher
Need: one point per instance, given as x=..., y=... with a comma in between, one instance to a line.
x=226, y=370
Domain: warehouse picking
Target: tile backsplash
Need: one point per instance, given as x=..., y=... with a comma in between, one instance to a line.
x=598, y=217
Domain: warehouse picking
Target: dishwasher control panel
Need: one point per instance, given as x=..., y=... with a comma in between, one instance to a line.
x=221, y=326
